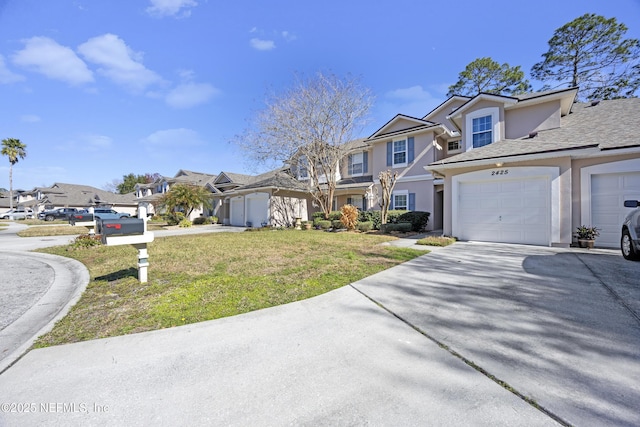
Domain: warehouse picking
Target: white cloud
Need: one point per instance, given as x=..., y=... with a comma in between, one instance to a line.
x=172, y=138
x=87, y=143
x=46, y=56
x=6, y=76
x=189, y=95
x=288, y=36
x=118, y=62
x=260, y=44
x=162, y=8
x=30, y=118
x=413, y=93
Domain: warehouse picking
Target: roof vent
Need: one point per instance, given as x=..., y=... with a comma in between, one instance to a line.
x=533, y=134
x=595, y=102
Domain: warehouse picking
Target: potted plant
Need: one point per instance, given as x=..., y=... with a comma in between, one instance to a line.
x=587, y=236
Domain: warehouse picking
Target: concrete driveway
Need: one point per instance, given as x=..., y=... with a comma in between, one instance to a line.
x=472, y=334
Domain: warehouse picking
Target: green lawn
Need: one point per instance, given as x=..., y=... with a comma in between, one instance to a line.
x=201, y=277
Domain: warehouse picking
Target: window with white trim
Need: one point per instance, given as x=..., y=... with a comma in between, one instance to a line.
x=454, y=146
x=356, y=166
x=400, y=153
x=401, y=200
x=482, y=127
x=482, y=131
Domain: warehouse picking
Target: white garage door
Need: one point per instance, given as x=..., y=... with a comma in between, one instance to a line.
x=608, y=193
x=505, y=210
x=257, y=209
x=237, y=211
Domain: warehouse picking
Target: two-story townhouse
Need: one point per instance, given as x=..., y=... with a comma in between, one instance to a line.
x=530, y=169
x=406, y=145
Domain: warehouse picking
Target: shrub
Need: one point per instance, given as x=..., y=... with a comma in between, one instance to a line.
x=324, y=224
x=402, y=227
x=213, y=219
x=374, y=217
x=200, y=220
x=185, y=223
x=365, y=226
x=349, y=216
x=418, y=219
x=333, y=215
x=86, y=241
x=336, y=224
x=174, y=218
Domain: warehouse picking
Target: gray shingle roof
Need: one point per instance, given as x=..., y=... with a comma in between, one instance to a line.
x=62, y=194
x=608, y=125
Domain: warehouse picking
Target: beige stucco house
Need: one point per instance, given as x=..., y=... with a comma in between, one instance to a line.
x=530, y=169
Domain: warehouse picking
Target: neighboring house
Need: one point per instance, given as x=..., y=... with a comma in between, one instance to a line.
x=150, y=195
x=274, y=198
x=530, y=169
x=61, y=195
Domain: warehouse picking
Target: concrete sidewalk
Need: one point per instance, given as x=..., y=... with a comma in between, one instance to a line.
x=337, y=359
x=471, y=334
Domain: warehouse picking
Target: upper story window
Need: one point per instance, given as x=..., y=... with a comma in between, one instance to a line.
x=358, y=163
x=400, y=152
x=482, y=127
x=303, y=170
x=453, y=146
x=482, y=131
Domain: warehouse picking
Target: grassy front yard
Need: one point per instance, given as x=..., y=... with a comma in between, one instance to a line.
x=201, y=277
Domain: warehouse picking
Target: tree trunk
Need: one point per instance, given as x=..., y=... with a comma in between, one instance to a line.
x=10, y=185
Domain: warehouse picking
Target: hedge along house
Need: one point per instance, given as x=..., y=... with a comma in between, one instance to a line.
x=530, y=169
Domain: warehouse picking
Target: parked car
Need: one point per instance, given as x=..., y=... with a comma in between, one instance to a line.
x=60, y=213
x=17, y=214
x=630, y=240
x=106, y=213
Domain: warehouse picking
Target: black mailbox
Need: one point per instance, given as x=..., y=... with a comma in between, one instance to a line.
x=73, y=218
x=121, y=227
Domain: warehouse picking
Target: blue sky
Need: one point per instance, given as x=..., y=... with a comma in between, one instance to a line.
x=98, y=89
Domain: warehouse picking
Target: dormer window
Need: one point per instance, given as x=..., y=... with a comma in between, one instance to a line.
x=482, y=131
x=482, y=128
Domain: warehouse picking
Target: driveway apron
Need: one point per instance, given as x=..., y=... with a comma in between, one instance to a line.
x=558, y=326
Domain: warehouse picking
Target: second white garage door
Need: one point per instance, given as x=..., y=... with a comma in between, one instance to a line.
x=505, y=210
x=608, y=193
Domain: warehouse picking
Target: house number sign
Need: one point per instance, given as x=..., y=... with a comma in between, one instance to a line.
x=500, y=172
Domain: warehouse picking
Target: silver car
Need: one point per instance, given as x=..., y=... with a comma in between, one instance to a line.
x=630, y=240
x=17, y=214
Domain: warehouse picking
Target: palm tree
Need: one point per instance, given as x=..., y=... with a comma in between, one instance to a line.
x=14, y=150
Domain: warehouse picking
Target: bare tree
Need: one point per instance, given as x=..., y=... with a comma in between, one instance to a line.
x=387, y=182
x=307, y=127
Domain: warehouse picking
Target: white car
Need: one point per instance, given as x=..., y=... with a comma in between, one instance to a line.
x=17, y=214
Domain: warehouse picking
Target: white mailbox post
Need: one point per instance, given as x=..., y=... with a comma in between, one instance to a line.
x=138, y=241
